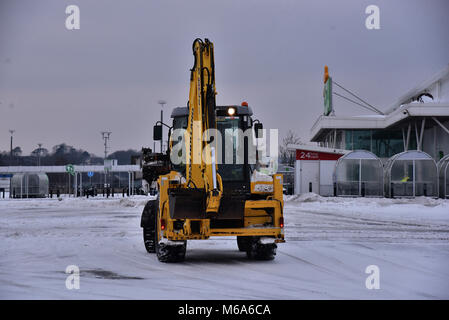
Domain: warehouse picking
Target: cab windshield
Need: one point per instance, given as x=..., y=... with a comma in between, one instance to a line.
x=230, y=167
x=230, y=163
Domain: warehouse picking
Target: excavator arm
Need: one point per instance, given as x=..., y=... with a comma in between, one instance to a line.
x=201, y=167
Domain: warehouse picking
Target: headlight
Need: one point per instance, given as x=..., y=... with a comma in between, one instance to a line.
x=231, y=111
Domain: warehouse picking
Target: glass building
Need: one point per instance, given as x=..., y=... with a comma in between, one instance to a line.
x=418, y=120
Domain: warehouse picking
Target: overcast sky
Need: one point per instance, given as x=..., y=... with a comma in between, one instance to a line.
x=59, y=86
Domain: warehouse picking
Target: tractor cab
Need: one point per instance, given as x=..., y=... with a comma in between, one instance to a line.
x=236, y=144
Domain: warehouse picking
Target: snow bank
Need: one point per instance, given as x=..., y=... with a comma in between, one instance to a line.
x=66, y=202
x=419, y=208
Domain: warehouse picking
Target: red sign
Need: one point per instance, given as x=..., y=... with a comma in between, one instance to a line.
x=316, y=155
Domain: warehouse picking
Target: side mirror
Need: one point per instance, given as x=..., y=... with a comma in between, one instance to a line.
x=157, y=133
x=258, y=127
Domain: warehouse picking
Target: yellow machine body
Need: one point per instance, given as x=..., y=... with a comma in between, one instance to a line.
x=258, y=214
x=193, y=203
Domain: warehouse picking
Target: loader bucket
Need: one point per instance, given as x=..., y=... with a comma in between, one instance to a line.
x=232, y=207
x=187, y=203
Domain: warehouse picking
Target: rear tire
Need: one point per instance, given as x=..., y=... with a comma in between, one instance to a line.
x=260, y=251
x=243, y=243
x=167, y=252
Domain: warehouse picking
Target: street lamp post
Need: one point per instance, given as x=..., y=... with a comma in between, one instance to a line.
x=106, y=137
x=10, y=155
x=162, y=103
x=10, y=162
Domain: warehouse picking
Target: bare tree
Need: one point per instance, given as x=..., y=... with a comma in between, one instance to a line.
x=288, y=156
x=17, y=151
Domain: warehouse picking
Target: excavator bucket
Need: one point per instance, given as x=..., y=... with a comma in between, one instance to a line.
x=187, y=203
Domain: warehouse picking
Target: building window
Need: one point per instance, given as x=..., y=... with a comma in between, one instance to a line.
x=340, y=142
x=361, y=140
x=383, y=143
x=348, y=140
x=387, y=143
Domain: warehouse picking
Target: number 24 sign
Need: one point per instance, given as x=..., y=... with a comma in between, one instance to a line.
x=308, y=155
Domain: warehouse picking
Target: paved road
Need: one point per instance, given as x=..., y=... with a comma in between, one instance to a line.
x=325, y=257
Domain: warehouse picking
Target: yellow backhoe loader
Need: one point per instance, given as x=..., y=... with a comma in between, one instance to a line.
x=211, y=186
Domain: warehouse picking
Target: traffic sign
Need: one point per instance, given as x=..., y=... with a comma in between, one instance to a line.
x=90, y=174
x=70, y=169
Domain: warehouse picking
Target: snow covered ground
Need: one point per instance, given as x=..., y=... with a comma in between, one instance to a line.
x=330, y=242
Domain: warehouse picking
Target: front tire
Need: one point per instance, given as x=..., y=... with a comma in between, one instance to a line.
x=168, y=252
x=261, y=251
x=243, y=243
x=171, y=253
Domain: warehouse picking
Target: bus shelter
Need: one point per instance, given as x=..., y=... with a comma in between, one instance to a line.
x=29, y=185
x=443, y=177
x=359, y=174
x=410, y=174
